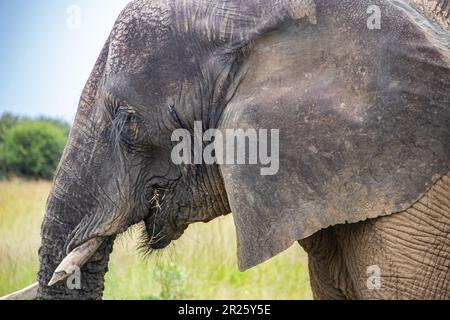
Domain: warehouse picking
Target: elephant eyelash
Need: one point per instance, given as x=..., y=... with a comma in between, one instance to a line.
x=115, y=107
x=121, y=114
x=127, y=131
x=112, y=106
x=119, y=124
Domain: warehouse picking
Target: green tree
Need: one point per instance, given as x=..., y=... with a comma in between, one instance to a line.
x=32, y=148
x=64, y=125
x=7, y=121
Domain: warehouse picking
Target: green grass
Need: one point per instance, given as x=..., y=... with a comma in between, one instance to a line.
x=201, y=265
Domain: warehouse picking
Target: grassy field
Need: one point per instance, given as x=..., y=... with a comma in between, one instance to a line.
x=202, y=265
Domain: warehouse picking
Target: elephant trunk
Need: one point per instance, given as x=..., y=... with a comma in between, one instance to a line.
x=73, y=200
x=55, y=232
x=63, y=215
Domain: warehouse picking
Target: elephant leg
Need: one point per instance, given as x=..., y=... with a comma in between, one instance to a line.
x=327, y=272
x=402, y=256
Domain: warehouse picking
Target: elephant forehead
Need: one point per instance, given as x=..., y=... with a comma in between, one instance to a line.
x=141, y=30
x=148, y=28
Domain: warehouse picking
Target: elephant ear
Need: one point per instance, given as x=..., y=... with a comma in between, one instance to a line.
x=364, y=127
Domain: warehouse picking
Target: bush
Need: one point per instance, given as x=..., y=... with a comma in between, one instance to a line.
x=63, y=125
x=32, y=148
x=171, y=282
x=7, y=121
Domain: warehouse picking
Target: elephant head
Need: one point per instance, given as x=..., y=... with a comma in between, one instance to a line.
x=335, y=90
x=165, y=65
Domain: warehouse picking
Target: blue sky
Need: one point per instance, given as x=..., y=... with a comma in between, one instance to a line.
x=47, y=51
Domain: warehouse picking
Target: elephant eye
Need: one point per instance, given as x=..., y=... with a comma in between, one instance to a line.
x=125, y=127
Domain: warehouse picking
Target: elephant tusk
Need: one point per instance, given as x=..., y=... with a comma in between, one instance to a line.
x=75, y=260
x=29, y=293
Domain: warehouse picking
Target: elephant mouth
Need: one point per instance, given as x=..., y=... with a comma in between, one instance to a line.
x=159, y=245
x=159, y=236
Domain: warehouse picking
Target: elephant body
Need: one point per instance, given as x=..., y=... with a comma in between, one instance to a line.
x=364, y=121
x=408, y=253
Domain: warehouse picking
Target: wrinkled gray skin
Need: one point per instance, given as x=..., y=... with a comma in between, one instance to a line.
x=364, y=119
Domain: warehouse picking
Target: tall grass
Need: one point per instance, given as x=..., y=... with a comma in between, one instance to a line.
x=201, y=265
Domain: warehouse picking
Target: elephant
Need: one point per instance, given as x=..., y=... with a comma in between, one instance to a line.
x=359, y=91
